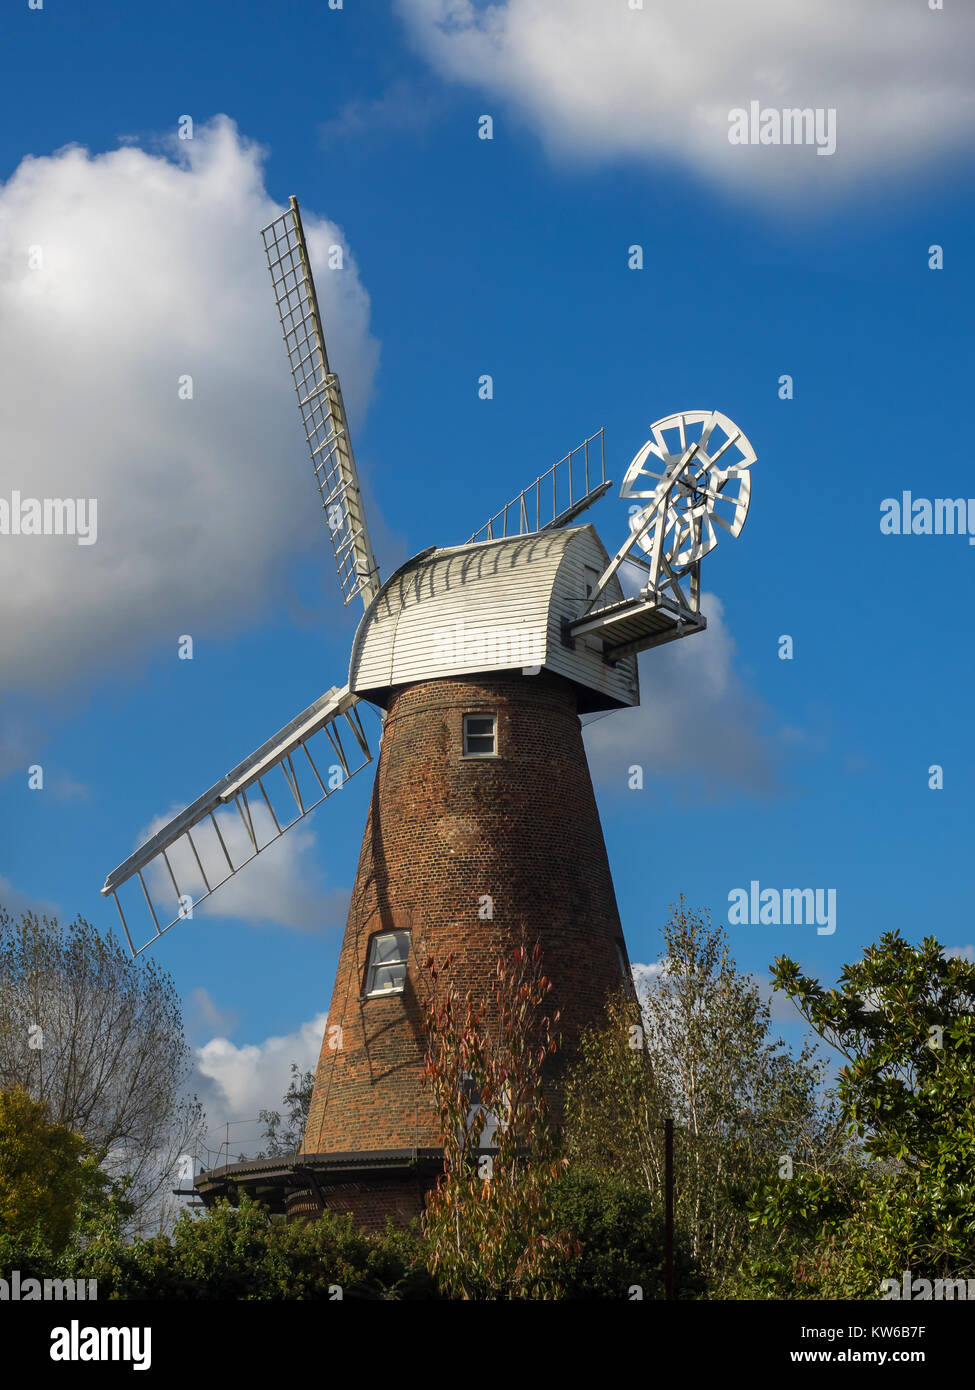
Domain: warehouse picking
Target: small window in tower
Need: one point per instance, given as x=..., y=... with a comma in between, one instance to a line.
x=480, y=735
x=386, y=970
x=625, y=970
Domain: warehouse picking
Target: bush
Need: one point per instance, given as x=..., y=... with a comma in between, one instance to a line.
x=620, y=1234
x=240, y=1253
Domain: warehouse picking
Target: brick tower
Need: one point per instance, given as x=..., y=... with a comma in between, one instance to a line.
x=461, y=851
x=482, y=826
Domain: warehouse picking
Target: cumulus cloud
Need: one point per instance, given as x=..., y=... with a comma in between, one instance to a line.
x=236, y=1083
x=644, y=976
x=966, y=953
x=659, y=82
x=121, y=273
x=696, y=721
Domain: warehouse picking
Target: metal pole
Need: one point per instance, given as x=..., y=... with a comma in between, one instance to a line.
x=669, y=1209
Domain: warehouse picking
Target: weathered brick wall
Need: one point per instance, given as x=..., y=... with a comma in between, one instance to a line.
x=442, y=832
x=369, y=1203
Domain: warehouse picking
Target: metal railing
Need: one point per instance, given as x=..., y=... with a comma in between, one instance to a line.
x=572, y=486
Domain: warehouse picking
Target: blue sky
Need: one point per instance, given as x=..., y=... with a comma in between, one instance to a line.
x=509, y=257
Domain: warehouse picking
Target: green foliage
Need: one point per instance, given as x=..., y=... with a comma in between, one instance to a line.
x=697, y=1049
x=284, y=1135
x=902, y=1018
x=484, y=1223
x=882, y=1171
x=55, y=1196
x=242, y=1253
x=617, y=1234
x=42, y=1175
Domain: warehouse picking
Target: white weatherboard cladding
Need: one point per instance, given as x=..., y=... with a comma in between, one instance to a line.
x=493, y=606
x=584, y=663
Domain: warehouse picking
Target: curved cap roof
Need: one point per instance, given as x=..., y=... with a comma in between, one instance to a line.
x=492, y=606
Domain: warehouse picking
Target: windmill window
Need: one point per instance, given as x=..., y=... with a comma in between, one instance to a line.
x=386, y=969
x=621, y=957
x=480, y=735
x=625, y=970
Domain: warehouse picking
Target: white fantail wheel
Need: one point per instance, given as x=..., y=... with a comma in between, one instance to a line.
x=694, y=472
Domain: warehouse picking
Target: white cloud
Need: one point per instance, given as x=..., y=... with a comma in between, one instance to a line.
x=153, y=268
x=281, y=886
x=960, y=953
x=599, y=80
x=644, y=976
x=696, y=721
x=236, y=1083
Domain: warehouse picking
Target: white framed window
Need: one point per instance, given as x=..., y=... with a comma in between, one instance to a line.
x=386, y=967
x=480, y=735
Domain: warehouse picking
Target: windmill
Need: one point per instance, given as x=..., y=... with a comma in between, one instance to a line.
x=482, y=657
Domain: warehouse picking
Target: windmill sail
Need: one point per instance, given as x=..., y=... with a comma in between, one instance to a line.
x=321, y=406
x=228, y=826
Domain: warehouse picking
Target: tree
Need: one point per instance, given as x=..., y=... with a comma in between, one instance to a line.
x=615, y=1102
x=98, y=1038
x=485, y=1222
x=41, y=1173
x=297, y=1099
x=902, y=1017
x=696, y=1048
